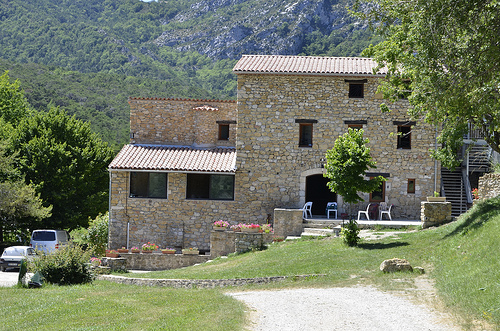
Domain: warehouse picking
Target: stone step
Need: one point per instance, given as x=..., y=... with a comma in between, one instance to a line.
x=335, y=231
x=321, y=223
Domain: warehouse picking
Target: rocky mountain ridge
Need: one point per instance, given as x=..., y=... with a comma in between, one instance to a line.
x=253, y=27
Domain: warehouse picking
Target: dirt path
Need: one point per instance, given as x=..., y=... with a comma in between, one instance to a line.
x=352, y=309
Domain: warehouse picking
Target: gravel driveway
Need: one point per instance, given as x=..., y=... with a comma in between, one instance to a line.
x=351, y=309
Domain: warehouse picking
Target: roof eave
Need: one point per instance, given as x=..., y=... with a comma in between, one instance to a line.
x=241, y=72
x=232, y=172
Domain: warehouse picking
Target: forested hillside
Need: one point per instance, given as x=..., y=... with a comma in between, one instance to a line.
x=93, y=54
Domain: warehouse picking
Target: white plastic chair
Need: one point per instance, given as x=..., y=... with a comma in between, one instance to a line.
x=364, y=212
x=386, y=212
x=307, y=209
x=331, y=207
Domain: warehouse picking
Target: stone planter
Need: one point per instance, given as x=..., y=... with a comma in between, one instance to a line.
x=250, y=230
x=436, y=199
x=190, y=252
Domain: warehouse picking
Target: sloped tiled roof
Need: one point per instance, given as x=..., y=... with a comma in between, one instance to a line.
x=175, y=158
x=306, y=65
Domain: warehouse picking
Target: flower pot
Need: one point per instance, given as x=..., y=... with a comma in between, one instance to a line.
x=168, y=252
x=190, y=252
x=147, y=252
x=122, y=250
x=112, y=255
x=219, y=228
x=250, y=230
x=135, y=250
x=436, y=199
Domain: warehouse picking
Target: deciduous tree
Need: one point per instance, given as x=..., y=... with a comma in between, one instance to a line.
x=447, y=53
x=67, y=164
x=20, y=206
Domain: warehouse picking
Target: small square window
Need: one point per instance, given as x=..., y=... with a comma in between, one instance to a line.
x=411, y=185
x=404, y=137
x=355, y=126
x=223, y=131
x=356, y=90
x=305, y=132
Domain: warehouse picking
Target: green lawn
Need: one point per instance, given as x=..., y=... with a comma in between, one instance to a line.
x=462, y=258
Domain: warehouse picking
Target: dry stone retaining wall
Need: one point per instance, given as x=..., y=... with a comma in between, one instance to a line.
x=489, y=186
x=435, y=213
x=201, y=283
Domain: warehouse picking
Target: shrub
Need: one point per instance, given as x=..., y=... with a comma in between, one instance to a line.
x=95, y=237
x=65, y=266
x=350, y=233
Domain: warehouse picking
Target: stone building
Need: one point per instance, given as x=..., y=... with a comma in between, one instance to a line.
x=191, y=162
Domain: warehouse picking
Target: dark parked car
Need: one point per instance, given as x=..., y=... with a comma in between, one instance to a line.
x=12, y=256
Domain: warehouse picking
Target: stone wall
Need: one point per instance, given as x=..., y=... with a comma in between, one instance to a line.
x=288, y=222
x=202, y=283
x=181, y=121
x=435, y=213
x=158, y=261
x=272, y=169
x=489, y=186
x=226, y=242
x=268, y=109
x=222, y=243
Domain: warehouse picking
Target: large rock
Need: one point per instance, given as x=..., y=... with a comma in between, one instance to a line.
x=395, y=264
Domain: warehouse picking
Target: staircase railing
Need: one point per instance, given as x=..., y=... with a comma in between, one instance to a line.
x=466, y=182
x=474, y=132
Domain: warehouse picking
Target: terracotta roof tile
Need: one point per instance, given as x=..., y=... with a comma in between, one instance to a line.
x=181, y=99
x=309, y=65
x=175, y=158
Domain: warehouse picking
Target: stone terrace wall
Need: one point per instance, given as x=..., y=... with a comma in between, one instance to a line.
x=181, y=121
x=158, y=261
x=489, y=186
x=435, y=213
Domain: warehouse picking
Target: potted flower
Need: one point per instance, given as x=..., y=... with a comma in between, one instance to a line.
x=266, y=228
x=95, y=262
x=149, y=247
x=135, y=249
x=475, y=193
x=122, y=250
x=112, y=253
x=278, y=239
x=190, y=251
x=221, y=225
x=236, y=227
x=168, y=251
x=250, y=227
x=436, y=198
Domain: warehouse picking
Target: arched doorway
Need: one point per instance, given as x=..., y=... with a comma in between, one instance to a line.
x=319, y=193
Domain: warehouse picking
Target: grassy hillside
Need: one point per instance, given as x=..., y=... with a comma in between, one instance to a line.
x=462, y=258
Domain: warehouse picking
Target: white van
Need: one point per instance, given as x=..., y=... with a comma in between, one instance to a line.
x=48, y=240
